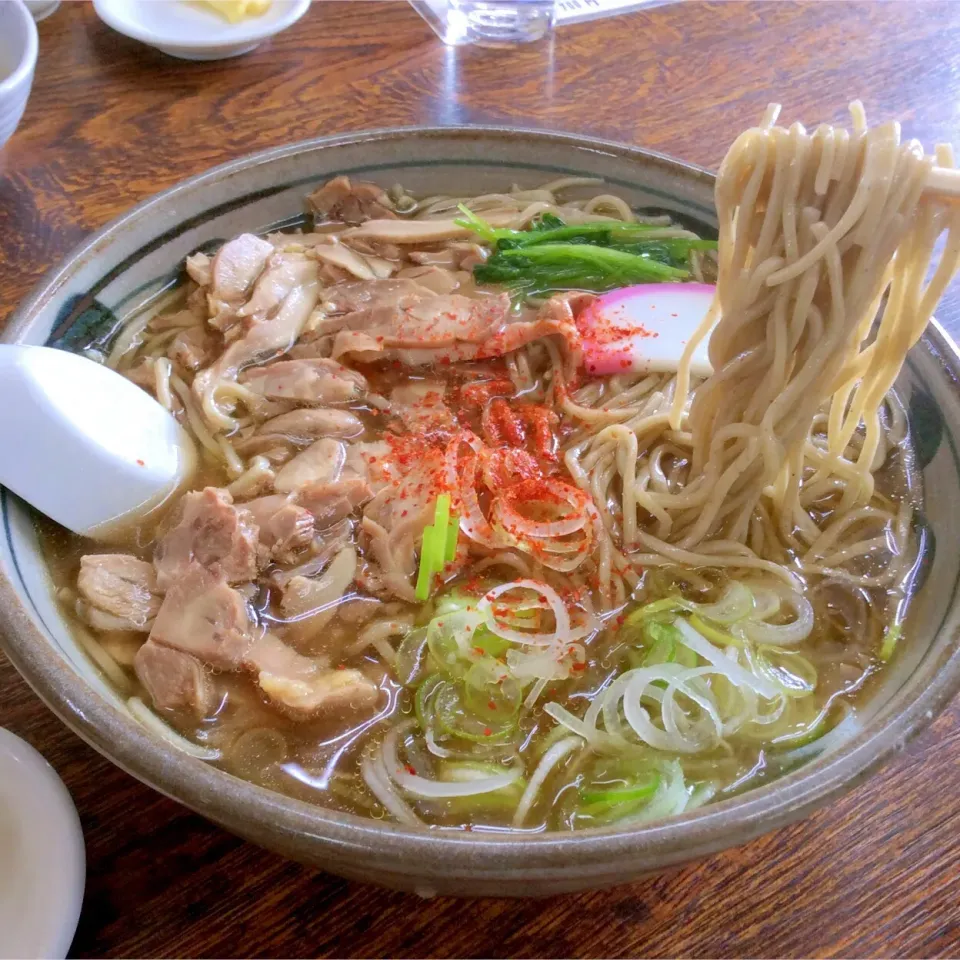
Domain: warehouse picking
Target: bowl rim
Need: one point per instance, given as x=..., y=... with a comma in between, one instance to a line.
x=271, y=817
x=248, y=32
x=28, y=59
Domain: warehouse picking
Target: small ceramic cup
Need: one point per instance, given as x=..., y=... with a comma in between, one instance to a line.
x=18, y=57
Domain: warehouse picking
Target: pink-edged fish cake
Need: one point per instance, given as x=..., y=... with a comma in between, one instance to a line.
x=645, y=329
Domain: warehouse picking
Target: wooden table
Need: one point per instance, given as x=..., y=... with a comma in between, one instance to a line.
x=111, y=122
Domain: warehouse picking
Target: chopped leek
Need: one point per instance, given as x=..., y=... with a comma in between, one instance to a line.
x=439, y=546
x=624, y=793
x=410, y=656
x=421, y=703
x=658, y=608
x=667, y=646
x=890, y=640
x=491, y=692
x=501, y=801
x=457, y=720
x=713, y=633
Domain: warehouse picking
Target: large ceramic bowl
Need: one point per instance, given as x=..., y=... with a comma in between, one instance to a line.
x=124, y=263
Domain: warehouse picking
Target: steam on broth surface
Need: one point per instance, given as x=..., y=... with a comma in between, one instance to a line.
x=440, y=569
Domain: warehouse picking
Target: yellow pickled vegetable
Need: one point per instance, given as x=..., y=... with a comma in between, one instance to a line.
x=237, y=10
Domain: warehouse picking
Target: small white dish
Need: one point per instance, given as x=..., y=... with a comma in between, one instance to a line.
x=18, y=58
x=186, y=30
x=42, y=861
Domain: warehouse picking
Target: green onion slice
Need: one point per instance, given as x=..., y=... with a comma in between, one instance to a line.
x=439, y=546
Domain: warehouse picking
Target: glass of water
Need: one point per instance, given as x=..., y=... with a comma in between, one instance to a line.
x=505, y=21
x=489, y=22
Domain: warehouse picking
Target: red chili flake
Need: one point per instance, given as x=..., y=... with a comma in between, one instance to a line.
x=479, y=651
x=487, y=731
x=579, y=666
x=410, y=769
x=341, y=666
x=141, y=463
x=492, y=704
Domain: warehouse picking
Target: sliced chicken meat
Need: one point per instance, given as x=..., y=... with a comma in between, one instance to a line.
x=519, y=334
x=213, y=533
x=310, y=603
x=398, y=319
x=437, y=324
x=552, y=323
x=351, y=201
x=203, y=616
x=305, y=687
x=306, y=381
x=329, y=503
x=351, y=263
x=284, y=272
x=174, y=680
x=321, y=462
x=265, y=337
x=369, y=462
x=285, y=528
x=192, y=348
x=462, y=255
x=420, y=407
x=198, y=269
x=422, y=231
x=324, y=692
x=393, y=521
x=311, y=424
x=122, y=591
x=233, y=270
x=298, y=428
x=434, y=278
x=348, y=298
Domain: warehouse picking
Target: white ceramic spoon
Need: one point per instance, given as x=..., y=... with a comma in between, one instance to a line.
x=83, y=444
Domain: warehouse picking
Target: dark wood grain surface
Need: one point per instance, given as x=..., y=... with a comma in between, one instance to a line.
x=111, y=121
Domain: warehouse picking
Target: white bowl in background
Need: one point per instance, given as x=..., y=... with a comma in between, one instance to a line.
x=42, y=862
x=18, y=57
x=41, y=9
x=188, y=31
